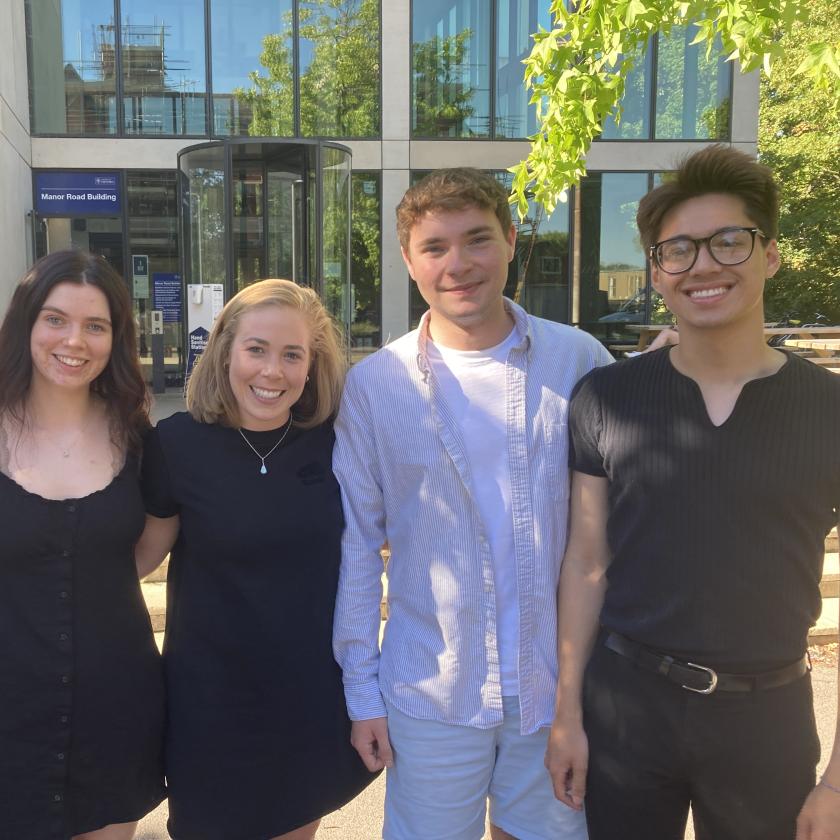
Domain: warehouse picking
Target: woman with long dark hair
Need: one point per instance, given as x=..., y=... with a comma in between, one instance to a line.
x=81, y=687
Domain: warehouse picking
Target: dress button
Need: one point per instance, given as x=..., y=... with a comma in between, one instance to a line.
x=60, y=756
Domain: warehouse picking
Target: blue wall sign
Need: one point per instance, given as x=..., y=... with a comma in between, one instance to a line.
x=77, y=194
x=167, y=292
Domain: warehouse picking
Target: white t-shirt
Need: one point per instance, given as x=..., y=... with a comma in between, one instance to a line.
x=473, y=385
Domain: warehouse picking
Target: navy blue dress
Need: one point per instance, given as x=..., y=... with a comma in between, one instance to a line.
x=258, y=736
x=81, y=681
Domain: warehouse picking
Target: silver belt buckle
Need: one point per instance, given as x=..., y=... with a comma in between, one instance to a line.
x=713, y=679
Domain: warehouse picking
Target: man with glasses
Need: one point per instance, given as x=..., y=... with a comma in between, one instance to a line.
x=705, y=478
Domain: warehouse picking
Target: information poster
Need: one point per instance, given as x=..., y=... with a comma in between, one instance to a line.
x=167, y=296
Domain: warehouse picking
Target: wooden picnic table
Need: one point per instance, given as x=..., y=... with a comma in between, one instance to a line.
x=647, y=332
x=825, y=348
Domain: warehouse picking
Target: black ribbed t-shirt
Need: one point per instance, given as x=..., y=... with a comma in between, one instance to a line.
x=716, y=532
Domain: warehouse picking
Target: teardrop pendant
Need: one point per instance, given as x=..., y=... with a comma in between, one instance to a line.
x=263, y=470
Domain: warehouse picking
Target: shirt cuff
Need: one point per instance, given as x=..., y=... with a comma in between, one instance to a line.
x=364, y=701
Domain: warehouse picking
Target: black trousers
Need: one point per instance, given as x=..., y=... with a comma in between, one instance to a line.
x=744, y=761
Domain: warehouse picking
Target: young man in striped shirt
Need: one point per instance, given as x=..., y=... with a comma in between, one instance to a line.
x=451, y=445
x=706, y=477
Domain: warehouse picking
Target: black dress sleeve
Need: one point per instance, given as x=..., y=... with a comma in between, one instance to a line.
x=155, y=481
x=585, y=428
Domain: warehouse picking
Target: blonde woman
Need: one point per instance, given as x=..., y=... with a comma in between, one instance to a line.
x=241, y=489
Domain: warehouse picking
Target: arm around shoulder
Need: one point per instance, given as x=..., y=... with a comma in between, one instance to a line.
x=155, y=543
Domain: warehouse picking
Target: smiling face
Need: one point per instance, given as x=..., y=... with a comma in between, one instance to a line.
x=459, y=261
x=268, y=365
x=710, y=294
x=71, y=338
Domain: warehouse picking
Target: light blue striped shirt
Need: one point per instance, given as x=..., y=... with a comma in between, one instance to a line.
x=402, y=465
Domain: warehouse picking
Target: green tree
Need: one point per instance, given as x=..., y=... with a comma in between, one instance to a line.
x=577, y=71
x=442, y=102
x=339, y=88
x=799, y=138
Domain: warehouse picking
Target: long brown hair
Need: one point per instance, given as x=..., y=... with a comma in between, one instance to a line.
x=120, y=385
x=210, y=398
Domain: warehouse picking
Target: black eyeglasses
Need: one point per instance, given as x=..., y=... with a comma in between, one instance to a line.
x=729, y=246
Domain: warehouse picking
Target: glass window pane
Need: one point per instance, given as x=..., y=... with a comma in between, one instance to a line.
x=538, y=279
x=366, y=267
x=153, y=231
x=253, y=67
x=613, y=281
x=635, y=104
x=71, y=66
x=339, y=68
x=164, y=80
x=692, y=96
x=335, y=205
x=248, y=223
x=516, y=21
x=203, y=183
x=451, y=63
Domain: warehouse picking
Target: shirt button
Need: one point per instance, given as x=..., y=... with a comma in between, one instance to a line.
x=65, y=719
x=63, y=594
x=63, y=637
x=65, y=679
x=65, y=553
x=57, y=797
x=60, y=756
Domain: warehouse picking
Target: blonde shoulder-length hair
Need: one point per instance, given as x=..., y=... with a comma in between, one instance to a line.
x=210, y=398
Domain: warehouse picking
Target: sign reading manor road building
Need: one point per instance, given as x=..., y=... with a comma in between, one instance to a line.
x=77, y=194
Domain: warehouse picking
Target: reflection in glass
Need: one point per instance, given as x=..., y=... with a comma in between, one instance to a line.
x=153, y=231
x=450, y=68
x=285, y=233
x=613, y=281
x=339, y=68
x=163, y=66
x=516, y=21
x=203, y=185
x=253, y=67
x=72, y=76
x=635, y=104
x=335, y=207
x=692, y=96
x=248, y=223
x=365, y=269
x=538, y=279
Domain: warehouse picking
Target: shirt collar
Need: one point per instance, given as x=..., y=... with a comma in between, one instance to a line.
x=520, y=319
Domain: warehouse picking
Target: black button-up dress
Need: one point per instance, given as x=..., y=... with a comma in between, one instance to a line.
x=81, y=686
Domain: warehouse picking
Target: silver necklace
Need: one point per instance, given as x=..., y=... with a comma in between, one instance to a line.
x=263, y=468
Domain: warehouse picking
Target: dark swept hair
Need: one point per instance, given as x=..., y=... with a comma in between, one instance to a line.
x=715, y=169
x=120, y=385
x=452, y=189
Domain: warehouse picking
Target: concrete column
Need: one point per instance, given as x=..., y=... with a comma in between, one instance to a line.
x=395, y=279
x=15, y=151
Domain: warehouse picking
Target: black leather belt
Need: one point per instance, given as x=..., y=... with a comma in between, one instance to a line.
x=699, y=678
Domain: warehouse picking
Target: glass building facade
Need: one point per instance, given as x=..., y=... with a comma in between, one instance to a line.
x=406, y=85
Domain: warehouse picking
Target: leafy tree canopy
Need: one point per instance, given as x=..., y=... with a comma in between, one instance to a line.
x=578, y=70
x=799, y=139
